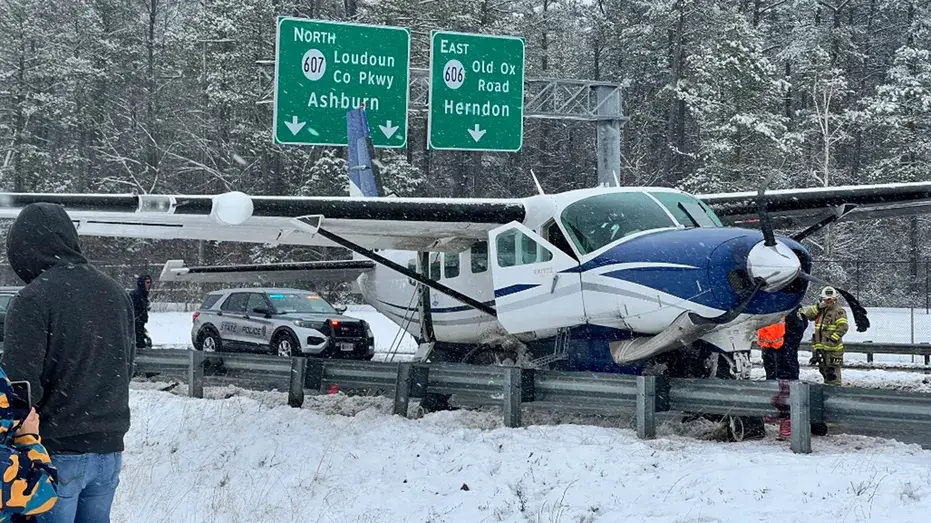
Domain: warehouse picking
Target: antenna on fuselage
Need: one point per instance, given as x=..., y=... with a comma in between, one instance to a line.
x=537, y=182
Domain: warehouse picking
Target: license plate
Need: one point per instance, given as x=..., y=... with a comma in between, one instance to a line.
x=346, y=347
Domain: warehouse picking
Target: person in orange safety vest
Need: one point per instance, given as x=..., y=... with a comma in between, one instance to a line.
x=770, y=339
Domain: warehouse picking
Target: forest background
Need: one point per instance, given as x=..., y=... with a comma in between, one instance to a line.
x=161, y=96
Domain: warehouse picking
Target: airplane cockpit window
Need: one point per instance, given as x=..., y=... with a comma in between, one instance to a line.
x=688, y=210
x=554, y=235
x=479, y=257
x=599, y=220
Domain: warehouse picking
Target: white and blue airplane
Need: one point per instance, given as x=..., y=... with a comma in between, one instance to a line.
x=610, y=279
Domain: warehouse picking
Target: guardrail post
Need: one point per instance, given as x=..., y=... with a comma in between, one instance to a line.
x=195, y=374
x=646, y=407
x=296, y=384
x=512, y=381
x=869, y=357
x=800, y=417
x=402, y=389
x=420, y=379
x=313, y=377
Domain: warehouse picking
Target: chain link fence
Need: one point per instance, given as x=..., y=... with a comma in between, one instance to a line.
x=879, y=283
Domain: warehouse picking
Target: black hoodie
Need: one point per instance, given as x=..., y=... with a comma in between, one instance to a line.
x=69, y=333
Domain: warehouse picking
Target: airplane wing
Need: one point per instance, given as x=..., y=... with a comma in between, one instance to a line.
x=801, y=207
x=418, y=224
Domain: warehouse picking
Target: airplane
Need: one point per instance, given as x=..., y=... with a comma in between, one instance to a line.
x=606, y=279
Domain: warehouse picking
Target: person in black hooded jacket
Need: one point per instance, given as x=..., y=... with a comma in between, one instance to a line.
x=140, y=296
x=69, y=333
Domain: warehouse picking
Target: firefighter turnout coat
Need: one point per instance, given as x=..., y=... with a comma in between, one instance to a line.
x=830, y=326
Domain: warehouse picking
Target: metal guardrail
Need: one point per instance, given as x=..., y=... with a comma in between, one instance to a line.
x=870, y=348
x=904, y=416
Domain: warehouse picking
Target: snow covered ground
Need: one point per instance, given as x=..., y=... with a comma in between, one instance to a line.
x=343, y=459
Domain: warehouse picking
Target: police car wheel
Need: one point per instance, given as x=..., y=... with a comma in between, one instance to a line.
x=286, y=344
x=209, y=341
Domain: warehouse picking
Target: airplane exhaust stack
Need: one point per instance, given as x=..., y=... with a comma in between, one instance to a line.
x=681, y=332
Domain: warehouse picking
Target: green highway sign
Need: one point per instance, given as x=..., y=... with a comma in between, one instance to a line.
x=325, y=69
x=476, y=92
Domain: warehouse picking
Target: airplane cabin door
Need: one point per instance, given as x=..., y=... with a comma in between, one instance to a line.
x=532, y=289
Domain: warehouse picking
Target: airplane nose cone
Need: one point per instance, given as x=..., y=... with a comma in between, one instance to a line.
x=777, y=265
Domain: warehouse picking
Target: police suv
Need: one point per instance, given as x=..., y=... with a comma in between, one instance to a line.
x=287, y=322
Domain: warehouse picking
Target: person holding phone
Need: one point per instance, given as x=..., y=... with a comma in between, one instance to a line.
x=70, y=334
x=31, y=489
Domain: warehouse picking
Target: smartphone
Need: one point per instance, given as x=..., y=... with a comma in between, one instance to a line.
x=21, y=402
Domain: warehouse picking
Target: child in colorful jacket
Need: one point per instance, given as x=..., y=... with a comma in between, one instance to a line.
x=28, y=478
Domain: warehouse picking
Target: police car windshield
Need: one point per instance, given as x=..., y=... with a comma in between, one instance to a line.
x=299, y=302
x=599, y=220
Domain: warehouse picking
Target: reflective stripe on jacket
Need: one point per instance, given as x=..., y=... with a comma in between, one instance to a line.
x=772, y=336
x=830, y=327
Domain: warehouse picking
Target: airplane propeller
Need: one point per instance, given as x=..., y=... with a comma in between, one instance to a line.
x=860, y=317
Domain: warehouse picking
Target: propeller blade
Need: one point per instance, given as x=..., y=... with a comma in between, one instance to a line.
x=835, y=215
x=860, y=317
x=766, y=225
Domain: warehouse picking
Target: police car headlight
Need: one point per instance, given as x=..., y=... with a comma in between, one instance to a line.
x=368, y=331
x=310, y=324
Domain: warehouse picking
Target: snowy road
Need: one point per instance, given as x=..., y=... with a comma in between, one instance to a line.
x=251, y=458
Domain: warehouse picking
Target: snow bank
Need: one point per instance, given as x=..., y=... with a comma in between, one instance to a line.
x=249, y=458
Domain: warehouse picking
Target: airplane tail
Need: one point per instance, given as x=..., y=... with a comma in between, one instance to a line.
x=362, y=176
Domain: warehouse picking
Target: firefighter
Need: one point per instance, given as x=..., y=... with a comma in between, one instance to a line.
x=827, y=341
x=770, y=339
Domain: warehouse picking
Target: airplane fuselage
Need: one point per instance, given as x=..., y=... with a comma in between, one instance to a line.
x=559, y=270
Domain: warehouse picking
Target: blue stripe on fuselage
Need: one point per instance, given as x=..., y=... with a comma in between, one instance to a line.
x=512, y=289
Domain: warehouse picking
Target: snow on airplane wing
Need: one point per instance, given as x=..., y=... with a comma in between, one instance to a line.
x=801, y=207
x=418, y=224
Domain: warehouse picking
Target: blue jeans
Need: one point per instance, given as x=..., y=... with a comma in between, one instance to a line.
x=86, y=485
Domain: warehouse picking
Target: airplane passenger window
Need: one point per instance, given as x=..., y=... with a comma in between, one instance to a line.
x=528, y=250
x=507, y=249
x=412, y=266
x=688, y=210
x=450, y=265
x=600, y=220
x=516, y=248
x=479, y=257
x=435, y=266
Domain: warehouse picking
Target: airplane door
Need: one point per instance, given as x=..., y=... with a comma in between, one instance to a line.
x=533, y=290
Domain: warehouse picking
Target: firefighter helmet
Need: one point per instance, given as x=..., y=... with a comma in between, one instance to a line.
x=828, y=293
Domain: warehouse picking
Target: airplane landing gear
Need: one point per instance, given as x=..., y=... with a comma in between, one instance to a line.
x=700, y=362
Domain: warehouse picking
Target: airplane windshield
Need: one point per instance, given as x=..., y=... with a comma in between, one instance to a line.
x=293, y=302
x=599, y=220
x=688, y=210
